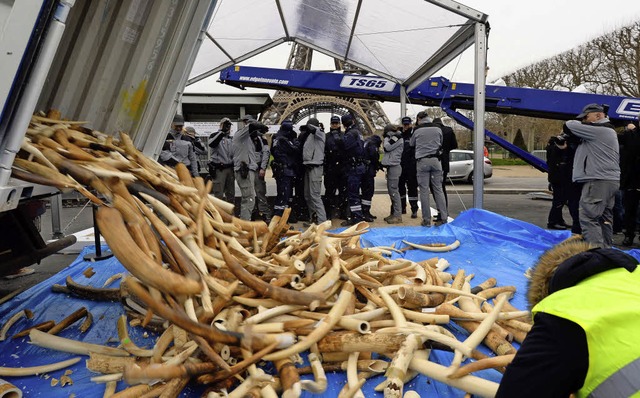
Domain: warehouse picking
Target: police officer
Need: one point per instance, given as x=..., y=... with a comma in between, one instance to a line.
x=245, y=164
x=393, y=147
x=300, y=210
x=285, y=149
x=427, y=141
x=262, y=209
x=221, y=162
x=334, y=182
x=312, y=141
x=177, y=149
x=354, y=152
x=408, y=178
x=372, y=156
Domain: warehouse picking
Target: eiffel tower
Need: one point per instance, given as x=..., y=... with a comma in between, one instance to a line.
x=297, y=106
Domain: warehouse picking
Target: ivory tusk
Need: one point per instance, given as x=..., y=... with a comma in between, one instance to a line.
x=42, y=339
x=12, y=320
x=325, y=325
x=352, y=375
x=437, y=249
x=125, y=340
x=35, y=370
x=471, y=384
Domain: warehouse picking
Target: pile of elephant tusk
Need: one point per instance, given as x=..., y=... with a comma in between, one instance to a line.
x=228, y=294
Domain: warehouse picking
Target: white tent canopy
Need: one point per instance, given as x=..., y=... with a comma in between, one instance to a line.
x=403, y=40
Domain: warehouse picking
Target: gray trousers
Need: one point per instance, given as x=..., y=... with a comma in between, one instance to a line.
x=224, y=185
x=312, y=192
x=393, y=183
x=248, y=193
x=261, y=196
x=430, y=173
x=596, y=211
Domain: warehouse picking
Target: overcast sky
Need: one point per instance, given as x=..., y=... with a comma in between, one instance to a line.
x=522, y=32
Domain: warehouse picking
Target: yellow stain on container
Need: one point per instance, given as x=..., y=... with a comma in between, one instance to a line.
x=133, y=101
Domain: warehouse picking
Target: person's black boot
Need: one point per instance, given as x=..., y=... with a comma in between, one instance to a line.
x=366, y=214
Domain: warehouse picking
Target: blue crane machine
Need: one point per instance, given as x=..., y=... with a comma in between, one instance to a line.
x=439, y=91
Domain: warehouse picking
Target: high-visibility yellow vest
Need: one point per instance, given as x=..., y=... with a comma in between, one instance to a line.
x=607, y=307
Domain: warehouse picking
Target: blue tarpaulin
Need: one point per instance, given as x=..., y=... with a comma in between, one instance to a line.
x=491, y=246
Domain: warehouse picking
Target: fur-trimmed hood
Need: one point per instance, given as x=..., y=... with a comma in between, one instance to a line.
x=546, y=267
x=570, y=262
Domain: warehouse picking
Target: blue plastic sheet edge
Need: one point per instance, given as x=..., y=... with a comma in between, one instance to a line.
x=491, y=246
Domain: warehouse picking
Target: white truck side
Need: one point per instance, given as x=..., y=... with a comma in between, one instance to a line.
x=121, y=65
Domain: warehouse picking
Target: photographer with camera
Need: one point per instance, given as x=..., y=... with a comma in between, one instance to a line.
x=245, y=163
x=221, y=162
x=178, y=148
x=596, y=166
x=392, y=158
x=560, y=154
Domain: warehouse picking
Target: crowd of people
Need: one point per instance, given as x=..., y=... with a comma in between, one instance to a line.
x=415, y=156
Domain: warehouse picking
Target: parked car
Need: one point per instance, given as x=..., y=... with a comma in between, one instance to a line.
x=461, y=165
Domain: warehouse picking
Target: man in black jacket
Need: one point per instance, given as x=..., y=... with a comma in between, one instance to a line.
x=449, y=142
x=372, y=156
x=409, y=177
x=560, y=154
x=285, y=149
x=630, y=178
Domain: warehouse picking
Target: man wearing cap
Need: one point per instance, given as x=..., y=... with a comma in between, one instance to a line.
x=408, y=178
x=427, y=141
x=221, y=162
x=312, y=140
x=356, y=166
x=596, y=166
x=335, y=186
x=178, y=149
x=245, y=163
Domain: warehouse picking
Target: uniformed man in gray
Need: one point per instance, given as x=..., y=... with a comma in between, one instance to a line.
x=393, y=147
x=427, y=140
x=221, y=162
x=245, y=164
x=178, y=150
x=313, y=158
x=262, y=209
